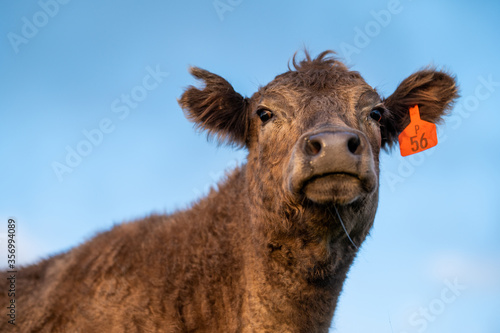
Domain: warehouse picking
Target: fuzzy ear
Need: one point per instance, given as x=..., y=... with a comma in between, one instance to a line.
x=434, y=92
x=216, y=108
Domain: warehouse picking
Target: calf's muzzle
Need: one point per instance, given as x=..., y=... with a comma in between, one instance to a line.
x=332, y=165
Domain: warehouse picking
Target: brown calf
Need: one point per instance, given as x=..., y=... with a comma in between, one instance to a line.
x=269, y=250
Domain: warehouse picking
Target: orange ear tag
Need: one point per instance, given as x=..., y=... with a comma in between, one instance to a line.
x=418, y=136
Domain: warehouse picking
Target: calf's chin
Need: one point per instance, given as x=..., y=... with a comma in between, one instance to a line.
x=341, y=189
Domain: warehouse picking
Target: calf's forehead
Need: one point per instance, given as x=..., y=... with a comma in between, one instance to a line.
x=317, y=95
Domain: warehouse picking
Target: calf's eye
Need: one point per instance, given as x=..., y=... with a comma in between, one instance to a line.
x=376, y=115
x=264, y=115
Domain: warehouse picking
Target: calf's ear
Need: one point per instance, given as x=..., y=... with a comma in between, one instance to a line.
x=216, y=108
x=433, y=91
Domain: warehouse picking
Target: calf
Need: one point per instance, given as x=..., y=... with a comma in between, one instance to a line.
x=269, y=249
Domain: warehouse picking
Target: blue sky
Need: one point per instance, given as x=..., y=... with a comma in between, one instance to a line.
x=432, y=263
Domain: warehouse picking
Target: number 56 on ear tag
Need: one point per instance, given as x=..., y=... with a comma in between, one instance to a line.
x=418, y=136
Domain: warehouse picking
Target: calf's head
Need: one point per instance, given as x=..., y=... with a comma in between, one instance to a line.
x=314, y=133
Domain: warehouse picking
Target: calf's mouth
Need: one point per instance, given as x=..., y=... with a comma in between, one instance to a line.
x=333, y=187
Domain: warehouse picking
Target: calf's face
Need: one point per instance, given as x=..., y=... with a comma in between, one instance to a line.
x=319, y=141
x=314, y=133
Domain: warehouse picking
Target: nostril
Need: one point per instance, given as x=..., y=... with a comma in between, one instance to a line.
x=353, y=144
x=334, y=143
x=312, y=147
